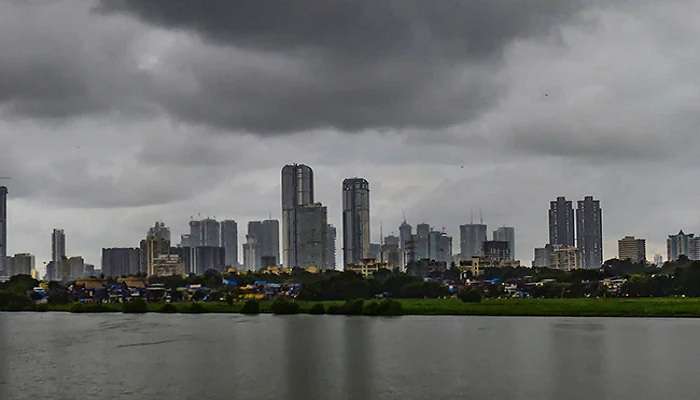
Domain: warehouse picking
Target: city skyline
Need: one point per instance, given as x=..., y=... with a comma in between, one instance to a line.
x=203, y=230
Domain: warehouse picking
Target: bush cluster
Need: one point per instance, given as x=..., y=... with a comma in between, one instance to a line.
x=251, y=307
x=284, y=306
x=135, y=306
x=470, y=296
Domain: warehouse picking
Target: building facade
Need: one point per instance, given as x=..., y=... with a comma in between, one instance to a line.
x=506, y=234
x=678, y=245
x=3, y=230
x=330, y=246
x=121, y=261
x=405, y=233
x=589, y=232
x=297, y=191
x=561, y=222
x=356, y=223
x=58, y=246
x=229, y=241
x=542, y=256
x=496, y=250
x=262, y=244
x=633, y=249
x=471, y=240
x=311, y=236
x=421, y=242
x=565, y=258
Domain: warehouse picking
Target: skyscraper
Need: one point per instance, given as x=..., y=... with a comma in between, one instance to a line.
x=471, y=240
x=121, y=261
x=589, y=232
x=3, y=230
x=631, y=248
x=312, y=236
x=421, y=242
x=211, y=229
x=355, y=220
x=195, y=233
x=330, y=246
x=678, y=245
x=160, y=231
x=58, y=246
x=262, y=244
x=297, y=191
x=561, y=222
x=506, y=234
x=229, y=241
x=405, y=232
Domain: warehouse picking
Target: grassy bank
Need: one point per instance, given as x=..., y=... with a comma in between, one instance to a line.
x=642, y=307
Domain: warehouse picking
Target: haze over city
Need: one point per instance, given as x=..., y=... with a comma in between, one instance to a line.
x=116, y=114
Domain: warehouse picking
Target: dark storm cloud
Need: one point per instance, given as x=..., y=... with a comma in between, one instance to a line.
x=366, y=30
x=338, y=64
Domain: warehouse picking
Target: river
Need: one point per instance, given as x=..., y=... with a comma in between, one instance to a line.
x=219, y=356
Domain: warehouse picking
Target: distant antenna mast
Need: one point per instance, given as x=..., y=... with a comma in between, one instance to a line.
x=481, y=217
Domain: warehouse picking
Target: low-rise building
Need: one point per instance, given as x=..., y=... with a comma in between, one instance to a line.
x=168, y=265
x=565, y=258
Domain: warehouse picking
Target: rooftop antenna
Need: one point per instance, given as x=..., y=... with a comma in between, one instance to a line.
x=403, y=212
x=481, y=217
x=471, y=216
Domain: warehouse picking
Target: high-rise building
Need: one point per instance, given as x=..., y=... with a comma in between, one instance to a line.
x=311, y=236
x=197, y=260
x=561, y=222
x=58, y=246
x=211, y=231
x=356, y=232
x=471, y=240
x=121, y=261
x=589, y=232
x=496, y=250
x=159, y=231
x=3, y=230
x=330, y=246
x=694, y=248
x=375, y=251
x=405, y=232
x=391, y=252
x=631, y=248
x=565, y=258
x=422, y=242
x=678, y=245
x=506, y=234
x=75, y=268
x=195, y=236
x=439, y=246
x=20, y=264
x=229, y=241
x=297, y=191
x=262, y=244
x=542, y=256
x=185, y=240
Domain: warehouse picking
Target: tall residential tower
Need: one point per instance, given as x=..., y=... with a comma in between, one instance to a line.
x=561, y=222
x=589, y=232
x=297, y=191
x=355, y=220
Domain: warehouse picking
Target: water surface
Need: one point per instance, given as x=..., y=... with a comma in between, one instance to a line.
x=217, y=356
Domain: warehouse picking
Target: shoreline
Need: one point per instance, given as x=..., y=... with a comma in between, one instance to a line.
x=578, y=307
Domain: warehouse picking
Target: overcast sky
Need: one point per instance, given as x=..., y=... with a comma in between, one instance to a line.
x=116, y=114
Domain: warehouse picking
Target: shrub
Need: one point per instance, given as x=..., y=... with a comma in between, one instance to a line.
x=284, y=306
x=390, y=307
x=41, y=307
x=251, y=307
x=195, y=308
x=350, y=307
x=136, y=306
x=317, y=309
x=353, y=307
x=88, y=308
x=470, y=296
x=168, y=308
